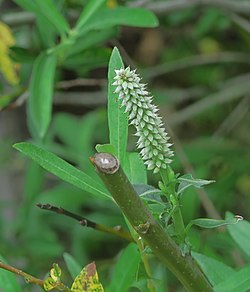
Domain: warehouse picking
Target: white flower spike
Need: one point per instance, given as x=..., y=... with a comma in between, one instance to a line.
x=137, y=102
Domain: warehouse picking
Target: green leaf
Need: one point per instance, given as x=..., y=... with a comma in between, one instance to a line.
x=107, y=18
x=107, y=148
x=90, y=9
x=33, y=181
x=212, y=223
x=149, y=193
x=238, y=282
x=21, y=55
x=46, y=31
x=27, y=5
x=117, y=120
x=73, y=266
x=187, y=181
x=64, y=126
x=215, y=271
x=59, y=195
x=135, y=169
x=125, y=269
x=63, y=169
x=88, y=60
x=8, y=282
x=48, y=9
x=91, y=39
x=41, y=91
x=240, y=234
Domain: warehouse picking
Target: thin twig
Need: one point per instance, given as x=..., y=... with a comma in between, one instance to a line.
x=164, y=7
x=138, y=3
x=96, y=98
x=80, y=82
x=30, y=279
x=86, y=222
x=227, y=94
x=233, y=119
x=18, y=18
x=196, y=60
x=177, y=95
x=240, y=21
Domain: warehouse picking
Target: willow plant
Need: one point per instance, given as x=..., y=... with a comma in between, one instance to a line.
x=153, y=140
x=129, y=102
x=156, y=151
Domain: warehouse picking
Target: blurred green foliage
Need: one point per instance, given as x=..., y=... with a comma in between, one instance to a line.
x=197, y=65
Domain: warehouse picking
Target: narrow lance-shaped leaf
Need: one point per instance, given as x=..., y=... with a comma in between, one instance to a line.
x=91, y=39
x=41, y=91
x=187, y=181
x=215, y=270
x=135, y=169
x=47, y=9
x=108, y=148
x=213, y=223
x=238, y=282
x=50, y=11
x=63, y=169
x=90, y=9
x=117, y=120
x=27, y=5
x=72, y=265
x=125, y=269
x=107, y=18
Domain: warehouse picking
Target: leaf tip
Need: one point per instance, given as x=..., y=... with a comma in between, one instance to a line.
x=16, y=145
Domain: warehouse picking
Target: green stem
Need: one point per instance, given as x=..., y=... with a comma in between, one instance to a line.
x=167, y=176
x=183, y=267
x=144, y=258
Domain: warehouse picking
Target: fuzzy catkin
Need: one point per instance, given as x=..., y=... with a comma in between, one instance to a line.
x=137, y=102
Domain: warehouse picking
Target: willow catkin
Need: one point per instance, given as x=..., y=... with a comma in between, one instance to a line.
x=137, y=102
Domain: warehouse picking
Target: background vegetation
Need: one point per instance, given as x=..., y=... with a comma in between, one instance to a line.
x=196, y=63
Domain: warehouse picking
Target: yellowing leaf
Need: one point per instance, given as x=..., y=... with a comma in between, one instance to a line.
x=54, y=279
x=49, y=284
x=87, y=280
x=55, y=273
x=7, y=66
x=6, y=35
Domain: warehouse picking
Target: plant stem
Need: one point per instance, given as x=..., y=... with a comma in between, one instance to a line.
x=86, y=222
x=177, y=215
x=183, y=267
x=144, y=257
x=28, y=278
